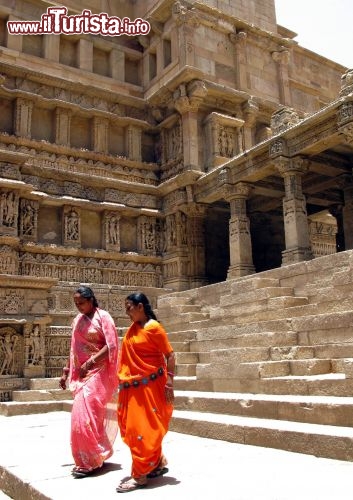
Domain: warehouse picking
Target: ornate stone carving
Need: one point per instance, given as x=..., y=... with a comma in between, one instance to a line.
x=8, y=260
x=112, y=231
x=146, y=230
x=347, y=83
x=28, y=219
x=8, y=212
x=345, y=113
x=11, y=348
x=283, y=119
x=72, y=226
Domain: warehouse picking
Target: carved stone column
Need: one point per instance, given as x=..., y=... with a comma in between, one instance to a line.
x=241, y=261
x=133, y=143
x=23, y=117
x=176, y=259
x=239, y=41
x=250, y=112
x=346, y=184
x=282, y=60
x=100, y=129
x=187, y=101
x=62, y=126
x=196, y=243
x=294, y=210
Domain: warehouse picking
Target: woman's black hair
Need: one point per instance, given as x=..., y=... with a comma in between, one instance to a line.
x=87, y=293
x=140, y=298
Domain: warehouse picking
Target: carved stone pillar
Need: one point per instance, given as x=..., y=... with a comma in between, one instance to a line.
x=8, y=212
x=117, y=64
x=196, y=243
x=23, y=117
x=133, y=143
x=62, y=126
x=241, y=261
x=250, y=112
x=294, y=210
x=187, y=22
x=282, y=60
x=100, y=129
x=85, y=54
x=176, y=259
x=346, y=184
x=29, y=219
x=239, y=41
x=111, y=231
x=71, y=227
x=146, y=235
x=187, y=101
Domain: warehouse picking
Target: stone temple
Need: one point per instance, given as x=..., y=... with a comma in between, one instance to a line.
x=212, y=149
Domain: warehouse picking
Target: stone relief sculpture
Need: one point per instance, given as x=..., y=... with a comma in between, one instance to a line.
x=8, y=209
x=226, y=142
x=33, y=347
x=7, y=348
x=28, y=218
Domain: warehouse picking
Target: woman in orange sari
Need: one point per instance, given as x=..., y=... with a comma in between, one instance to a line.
x=146, y=394
x=92, y=376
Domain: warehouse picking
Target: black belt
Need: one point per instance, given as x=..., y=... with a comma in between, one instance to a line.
x=142, y=381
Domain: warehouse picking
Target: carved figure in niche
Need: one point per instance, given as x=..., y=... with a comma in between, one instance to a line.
x=8, y=203
x=72, y=227
x=149, y=239
x=28, y=219
x=34, y=347
x=113, y=230
x=171, y=230
x=226, y=143
x=183, y=229
x=7, y=345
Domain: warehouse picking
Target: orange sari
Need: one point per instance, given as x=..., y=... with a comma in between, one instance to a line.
x=143, y=412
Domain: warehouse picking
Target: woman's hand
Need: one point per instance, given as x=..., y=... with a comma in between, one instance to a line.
x=84, y=369
x=169, y=393
x=62, y=381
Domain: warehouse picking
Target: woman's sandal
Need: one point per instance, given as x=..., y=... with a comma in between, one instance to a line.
x=158, y=471
x=79, y=472
x=131, y=485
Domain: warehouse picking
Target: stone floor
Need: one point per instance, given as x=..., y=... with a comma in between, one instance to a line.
x=35, y=464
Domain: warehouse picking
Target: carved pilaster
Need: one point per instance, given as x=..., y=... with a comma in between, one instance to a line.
x=23, y=117
x=196, y=242
x=250, y=113
x=62, y=126
x=294, y=210
x=187, y=101
x=111, y=231
x=29, y=219
x=282, y=60
x=240, y=41
x=133, y=143
x=100, y=129
x=72, y=227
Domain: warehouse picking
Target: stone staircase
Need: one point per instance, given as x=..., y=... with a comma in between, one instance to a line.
x=264, y=360
x=273, y=358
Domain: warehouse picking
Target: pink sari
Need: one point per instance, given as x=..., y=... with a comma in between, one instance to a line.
x=93, y=417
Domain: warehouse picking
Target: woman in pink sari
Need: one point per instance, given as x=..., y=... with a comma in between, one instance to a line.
x=92, y=376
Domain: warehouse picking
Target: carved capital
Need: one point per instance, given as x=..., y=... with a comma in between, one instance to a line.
x=347, y=133
x=240, y=191
x=291, y=166
x=345, y=113
x=281, y=57
x=239, y=38
x=250, y=112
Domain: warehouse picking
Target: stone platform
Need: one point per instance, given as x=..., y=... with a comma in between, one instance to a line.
x=35, y=464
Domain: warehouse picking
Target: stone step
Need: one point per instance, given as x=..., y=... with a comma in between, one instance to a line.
x=182, y=336
x=176, y=310
x=185, y=369
x=265, y=369
x=324, y=410
x=330, y=384
x=12, y=408
x=321, y=440
x=265, y=339
x=43, y=383
x=246, y=299
x=187, y=357
x=249, y=283
x=41, y=395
